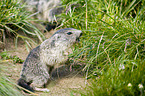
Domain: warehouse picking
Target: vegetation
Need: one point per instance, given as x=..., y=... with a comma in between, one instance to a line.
x=5, y=56
x=113, y=44
x=7, y=88
x=15, y=20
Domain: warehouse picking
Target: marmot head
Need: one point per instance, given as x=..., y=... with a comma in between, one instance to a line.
x=66, y=36
x=62, y=39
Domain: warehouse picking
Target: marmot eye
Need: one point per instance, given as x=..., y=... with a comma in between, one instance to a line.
x=69, y=33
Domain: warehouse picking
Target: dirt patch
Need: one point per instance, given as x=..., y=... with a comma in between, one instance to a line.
x=65, y=86
x=57, y=87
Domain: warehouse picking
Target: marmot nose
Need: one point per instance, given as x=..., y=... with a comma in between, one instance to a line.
x=81, y=34
x=78, y=38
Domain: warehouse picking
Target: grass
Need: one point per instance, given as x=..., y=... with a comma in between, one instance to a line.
x=5, y=56
x=15, y=20
x=113, y=45
x=7, y=85
x=7, y=88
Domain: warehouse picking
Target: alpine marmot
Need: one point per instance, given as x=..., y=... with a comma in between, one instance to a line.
x=49, y=53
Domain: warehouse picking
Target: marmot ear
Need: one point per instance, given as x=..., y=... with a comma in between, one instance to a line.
x=57, y=36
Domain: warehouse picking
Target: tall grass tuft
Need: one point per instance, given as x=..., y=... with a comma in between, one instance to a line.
x=14, y=19
x=113, y=44
x=7, y=88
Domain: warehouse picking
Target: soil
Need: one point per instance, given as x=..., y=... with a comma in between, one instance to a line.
x=58, y=87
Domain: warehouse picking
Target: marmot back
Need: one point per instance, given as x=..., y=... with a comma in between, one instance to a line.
x=49, y=53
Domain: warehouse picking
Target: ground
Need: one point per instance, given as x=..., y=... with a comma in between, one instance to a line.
x=57, y=87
